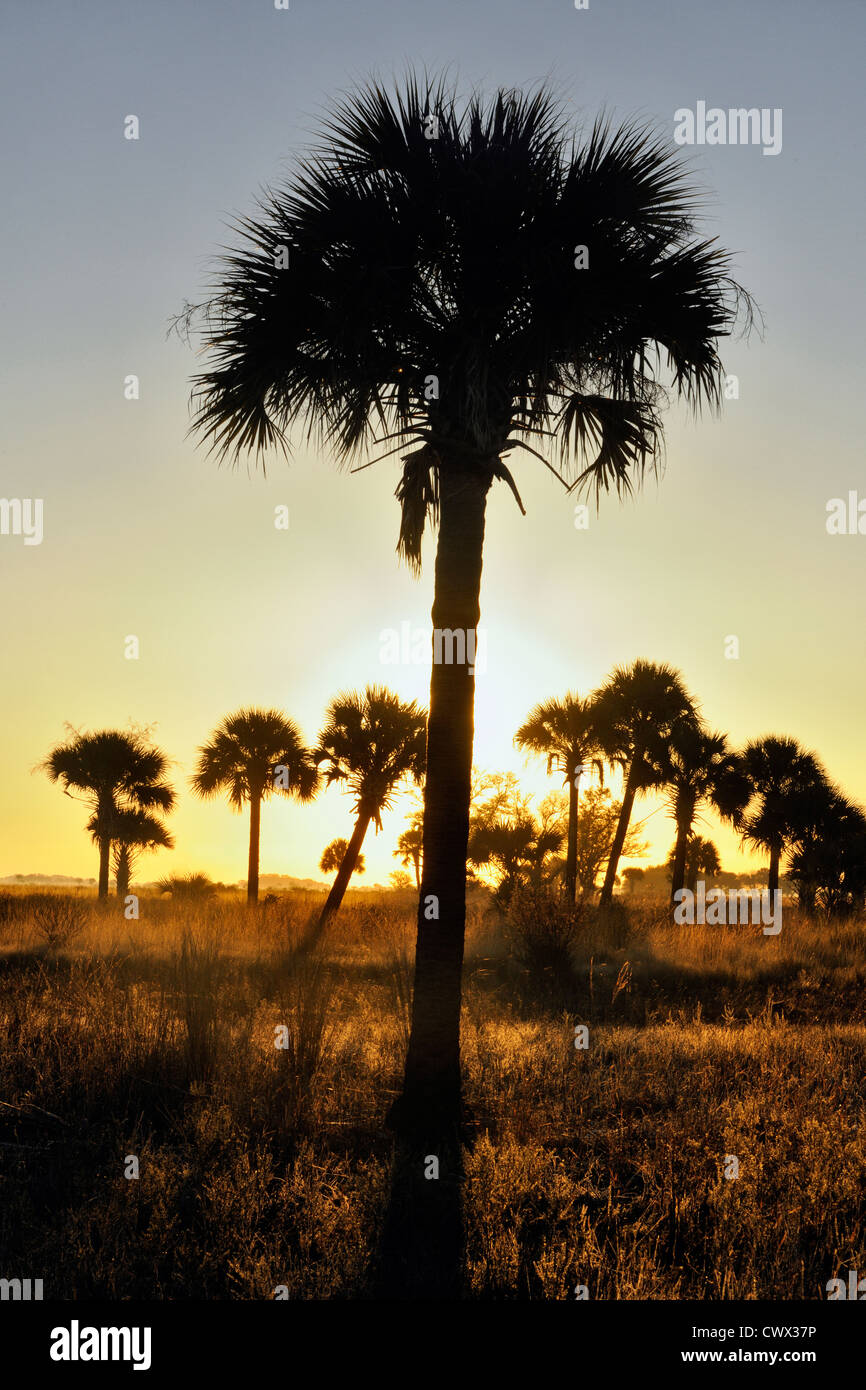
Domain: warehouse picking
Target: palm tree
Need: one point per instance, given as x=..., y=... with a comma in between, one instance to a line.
x=430, y=296
x=636, y=712
x=828, y=852
x=135, y=832
x=519, y=849
x=784, y=779
x=372, y=743
x=410, y=845
x=333, y=856
x=562, y=731
x=702, y=770
x=117, y=772
x=251, y=755
x=702, y=857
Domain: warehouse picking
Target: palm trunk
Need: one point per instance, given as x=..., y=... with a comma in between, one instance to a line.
x=431, y=1099
x=621, y=832
x=344, y=873
x=685, y=814
x=123, y=871
x=571, y=851
x=773, y=876
x=416, y=860
x=678, y=873
x=253, y=864
x=104, y=857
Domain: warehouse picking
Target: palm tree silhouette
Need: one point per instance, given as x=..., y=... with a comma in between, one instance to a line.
x=828, y=852
x=520, y=849
x=702, y=857
x=135, y=832
x=562, y=731
x=467, y=279
x=117, y=772
x=410, y=845
x=636, y=711
x=783, y=778
x=372, y=743
x=701, y=770
x=249, y=756
x=333, y=856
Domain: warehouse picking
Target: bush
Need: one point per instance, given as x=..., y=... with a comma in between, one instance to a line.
x=541, y=929
x=58, y=920
x=189, y=887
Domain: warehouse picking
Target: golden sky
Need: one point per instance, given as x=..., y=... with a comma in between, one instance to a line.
x=144, y=535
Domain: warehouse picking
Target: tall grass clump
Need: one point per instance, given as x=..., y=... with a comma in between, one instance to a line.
x=304, y=1035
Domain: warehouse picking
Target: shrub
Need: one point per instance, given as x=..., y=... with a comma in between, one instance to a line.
x=541, y=929
x=57, y=919
x=189, y=887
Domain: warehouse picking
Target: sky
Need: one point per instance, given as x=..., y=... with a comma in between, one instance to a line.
x=143, y=534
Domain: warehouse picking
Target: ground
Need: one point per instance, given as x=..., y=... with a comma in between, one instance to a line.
x=264, y=1168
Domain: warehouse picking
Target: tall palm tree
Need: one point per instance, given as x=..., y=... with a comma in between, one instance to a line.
x=372, y=743
x=117, y=772
x=135, y=832
x=784, y=779
x=430, y=296
x=563, y=732
x=249, y=756
x=702, y=771
x=636, y=712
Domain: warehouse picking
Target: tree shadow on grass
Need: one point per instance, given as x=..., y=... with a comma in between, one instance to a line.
x=420, y=1254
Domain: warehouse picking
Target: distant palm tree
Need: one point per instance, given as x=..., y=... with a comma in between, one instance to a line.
x=828, y=852
x=467, y=280
x=784, y=779
x=520, y=850
x=251, y=755
x=333, y=856
x=135, y=832
x=117, y=772
x=702, y=857
x=563, y=732
x=410, y=845
x=701, y=771
x=636, y=711
x=372, y=743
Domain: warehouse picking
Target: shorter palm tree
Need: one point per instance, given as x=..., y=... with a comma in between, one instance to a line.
x=520, y=851
x=135, y=833
x=635, y=713
x=251, y=755
x=828, y=853
x=784, y=781
x=116, y=772
x=562, y=731
x=702, y=857
x=410, y=845
x=701, y=770
x=372, y=743
x=333, y=856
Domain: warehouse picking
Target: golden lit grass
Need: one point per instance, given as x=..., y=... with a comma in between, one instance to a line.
x=262, y=1166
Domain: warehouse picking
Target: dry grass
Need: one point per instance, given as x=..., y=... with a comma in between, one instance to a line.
x=263, y=1166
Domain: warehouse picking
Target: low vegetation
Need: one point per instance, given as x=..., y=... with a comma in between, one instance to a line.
x=265, y=1166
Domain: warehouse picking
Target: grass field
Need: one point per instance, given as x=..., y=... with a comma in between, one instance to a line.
x=263, y=1167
